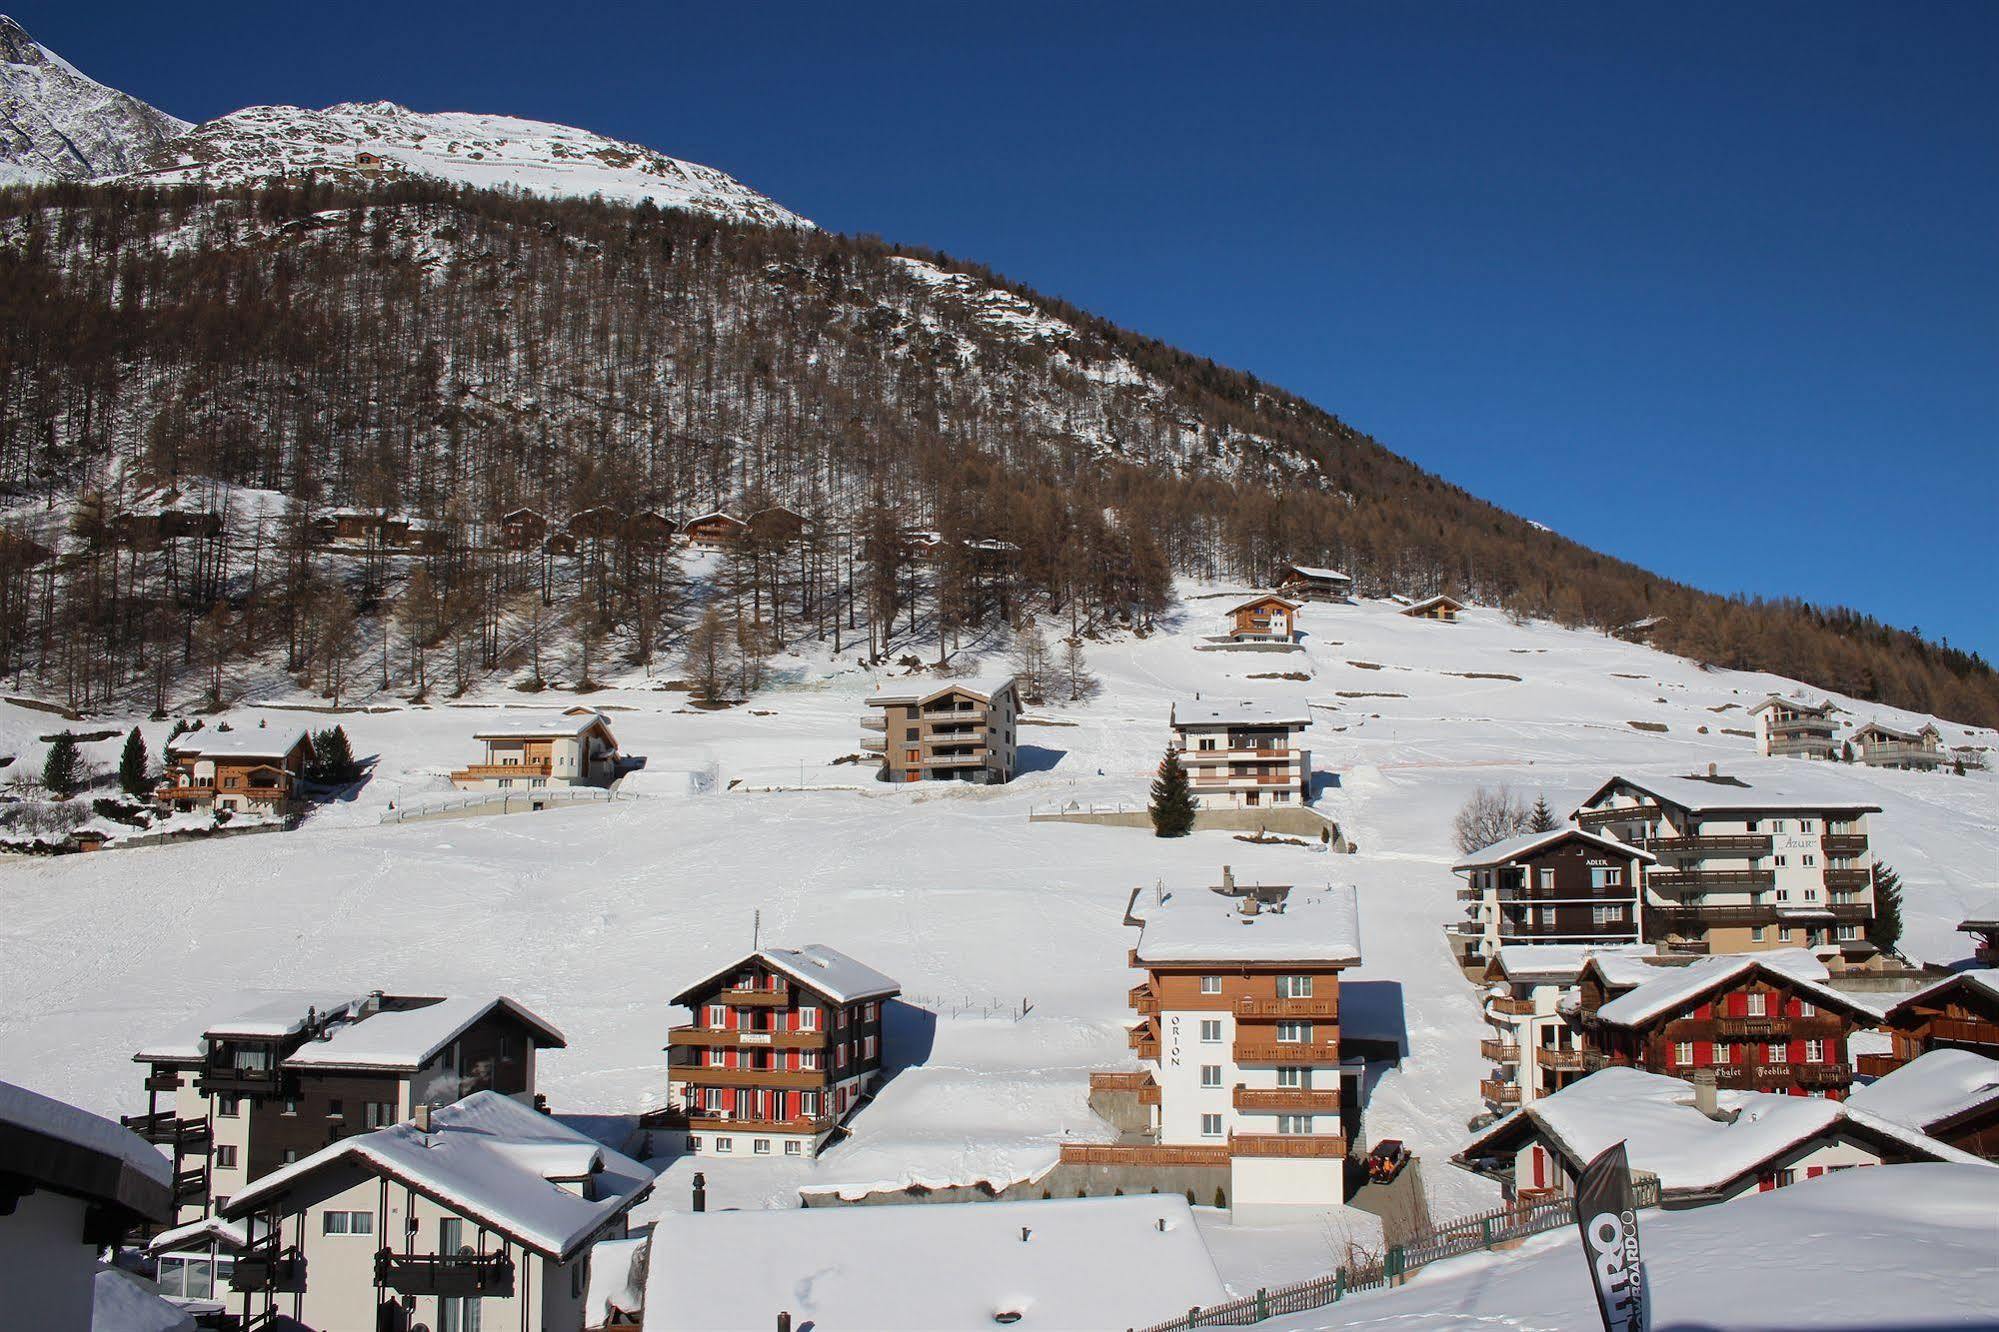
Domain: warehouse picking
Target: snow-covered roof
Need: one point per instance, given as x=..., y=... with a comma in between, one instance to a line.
x=983, y=687
x=1315, y=572
x=229, y=1236
x=1523, y=844
x=1061, y=1263
x=617, y=1279
x=1311, y=925
x=260, y=744
x=408, y=1038
x=1795, y=704
x=122, y=1301
x=1427, y=602
x=1667, y=1135
x=1981, y=981
x=1801, y=789
x=492, y=1160
x=574, y=722
x=1932, y=1088
x=256, y=1015
x=714, y=515
x=1235, y=712
x=1526, y=963
x=826, y=970
x=50, y=1118
x=1264, y=599
x=1670, y=990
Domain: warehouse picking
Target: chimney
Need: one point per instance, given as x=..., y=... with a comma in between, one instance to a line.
x=1704, y=1094
x=1713, y=771
x=372, y=1004
x=1228, y=879
x=1024, y=1233
x=701, y=1202
x=422, y=1118
x=1249, y=906
x=784, y=1321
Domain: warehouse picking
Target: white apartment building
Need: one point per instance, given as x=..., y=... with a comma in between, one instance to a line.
x=1792, y=728
x=1533, y=1049
x=1243, y=755
x=574, y=749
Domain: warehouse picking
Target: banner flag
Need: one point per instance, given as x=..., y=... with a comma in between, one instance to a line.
x=1607, y=1212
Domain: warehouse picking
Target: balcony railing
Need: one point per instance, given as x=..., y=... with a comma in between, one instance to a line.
x=1130, y=1080
x=704, y=1037
x=874, y=724
x=1548, y=1056
x=756, y=998
x=1900, y=751
x=1143, y=1154
x=1848, y=878
x=229, y=1079
x=1844, y=844
x=1499, y=1052
x=1818, y=726
x=185, y=791
x=268, y=1269
x=1287, y=1100
x=1709, y=844
x=1267, y=1051
x=1142, y=1000
x=700, y=1075
x=1511, y=1006
x=1720, y=878
x=483, y=771
x=874, y=745
x=1325, y=1009
x=1963, y=1031
x=1499, y=1093
x=166, y=1129
x=164, y=1081
x=708, y=1121
x=191, y=1185
x=1877, y=1065
x=1305, y=1145
x=1596, y=818
x=449, y=1276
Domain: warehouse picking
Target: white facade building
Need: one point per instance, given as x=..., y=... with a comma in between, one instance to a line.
x=1243, y=755
x=1793, y=728
x=574, y=749
x=1533, y=1048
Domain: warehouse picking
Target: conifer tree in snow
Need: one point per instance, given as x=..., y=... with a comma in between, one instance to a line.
x=332, y=758
x=1885, y=930
x=1172, y=800
x=132, y=765
x=1541, y=819
x=62, y=771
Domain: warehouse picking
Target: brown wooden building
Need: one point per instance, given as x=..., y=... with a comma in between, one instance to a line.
x=961, y=731
x=776, y=524
x=784, y=1044
x=1265, y=619
x=523, y=529
x=1960, y=1012
x=1564, y=886
x=1308, y=582
x=714, y=530
x=252, y=772
x=1441, y=608
x=1952, y=1095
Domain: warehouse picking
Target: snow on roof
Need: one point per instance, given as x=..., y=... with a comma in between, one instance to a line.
x=574, y=722
x=1931, y=1088
x=984, y=687
x=491, y=1159
x=915, y=1267
x=407, y=1038
x=617, y=1279
x=1800, y=789
x=714, y=515
x=1506, y=850
x=1984, y=979
x=826, y=970
x=256, y=1015
x=1236, y=712
x=64, y=1122
x=122, y=1301
x=1316, y=572
x=1562, y=962
x=238, y=744
x=1264, y=598
x=227, y=1235
x=1795, y=704
x=1201, y=925
x=1438, y=600
x=1668, y=991
x=1621, y=970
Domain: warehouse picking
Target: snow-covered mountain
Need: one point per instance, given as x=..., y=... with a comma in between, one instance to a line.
x=58, y=123
x=356, y=142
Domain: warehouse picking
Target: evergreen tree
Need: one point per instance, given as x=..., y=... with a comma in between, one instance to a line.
x=332, y=762
x=62, y=771
x=132, y=765
x=1172, y=800
x=1885, y=930
x=1541, y=819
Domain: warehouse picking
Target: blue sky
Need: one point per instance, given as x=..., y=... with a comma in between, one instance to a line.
x=1711, y=287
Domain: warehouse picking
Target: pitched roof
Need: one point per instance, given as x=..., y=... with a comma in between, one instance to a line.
x=985, y=688
x=827, y=971
x=1192, y=925
x=257, y=1015
x=1524, y=844
x=1932, y=1089
x=58, y=1146
x=1795, y=704
x=574, y=722
x=1797, y=789
x=1427, y=602
x=1670, y=991
x=1264, y=599
x=1237, y=712
x=405, y=1039
x=238, y=744
x=1317, y=573
x=1561, y=963
x=1982, y=982
x=492, y=1160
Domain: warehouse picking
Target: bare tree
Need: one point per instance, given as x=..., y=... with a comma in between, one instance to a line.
x=1488, y=817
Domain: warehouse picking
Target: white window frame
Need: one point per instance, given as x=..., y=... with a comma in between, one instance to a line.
x=1211, y=985
x=1211, y=1126
x=1211, y=1031
x=1211, y=1077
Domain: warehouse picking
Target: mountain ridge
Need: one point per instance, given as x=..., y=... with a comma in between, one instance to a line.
x=58, y=123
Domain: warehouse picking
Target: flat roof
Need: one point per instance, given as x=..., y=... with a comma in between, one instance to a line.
x=255, y=1015
x=1193, y=925
x=1235, y=712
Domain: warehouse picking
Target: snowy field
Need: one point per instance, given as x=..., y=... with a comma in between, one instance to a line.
x=594, y=916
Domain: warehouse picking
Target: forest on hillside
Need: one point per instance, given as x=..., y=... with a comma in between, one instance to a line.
x=450, y=357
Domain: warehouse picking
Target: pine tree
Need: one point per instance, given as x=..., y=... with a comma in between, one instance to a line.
x=132, y=765
x=332, y=762
x=1884, y=931
x=62, y=771
x=1172, y=801
x=1541, y=819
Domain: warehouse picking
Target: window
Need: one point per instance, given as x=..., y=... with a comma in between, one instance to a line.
x=291, y=1155
x=1211, y=985
x=693, y=1143
x=725, y=1144
x=1776, y=1052
x=1776, y=825
x=347, y=1223
x=1211, y=1031
x=808, y=1019
x=1804, y=825
x=1211, y=1126
x=760, y=1147
x=228, y=1106
x=843, y=1020
x=1683, y=1053
x=1783, y=934
x=1294, y=987
x=1807, y=1009
x=1605, y=876
x=1606, y=915
x=1754, y=1003
x=1294, y=1033
x=718, y=1015
x=1546, y=877
x=381, y=1114
x=712, y=1099
x=1294, y=1075
x=336, y=1108
x=1756, y=934
x=225, y=1157
x=840, y=1057
x=1780, y=861
x=1814, y=1052
x=867, y=1047
x=1783, y=894
x=1849, y=931
x=808, y=1104
x=460, y=1313
x=793, y=1147
x=1723, y=1054
x=873, y=1013
x=1294, y=1123
x=808, y=1059
x=1211, y=1075
x=291, y=1106
x=1808, y=859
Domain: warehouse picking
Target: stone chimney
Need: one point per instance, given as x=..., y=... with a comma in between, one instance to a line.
x=422, y=1118
x=1228, y=879
x=1705, y=1100
x=1249, y=906
x=1713, y=771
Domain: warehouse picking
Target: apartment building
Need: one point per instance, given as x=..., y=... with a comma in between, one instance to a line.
x=1238, y=1039
x=785, y=1043
x=1243, y=754
x=1881, y=746
x=479, y=1214
x=1760, y=1022
x=1744, y=864
x=1564, y=886
x=1308, y=582
x=1792, y=728
x=244, y=772
x=1959, y=1012
x=576, y=748
x=1534, y=1050
x=268, y=1079
x=1265, y=619
x=961, y=731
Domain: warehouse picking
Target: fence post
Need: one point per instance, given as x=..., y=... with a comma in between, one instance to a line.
x=1392, y=1267
x=1339, y=1284
x=1485, y=1227
x=1262, y=1303
x=1193, y=1314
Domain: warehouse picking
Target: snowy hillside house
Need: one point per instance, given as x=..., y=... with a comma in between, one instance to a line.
x=1882, y=746
x=1238, y=1042
x=1443, y=609
x=1790, y=728
x=961, y=731
x=1960, y=1012
x=1566, y=886
x=1307, y=582
x=1761, y=1021
x=1534, y=1051
x=480, y=1214
x=1952, y=1095
x=268, y=1079
x=714, y=530
x=574, y=749
x=1242, y=755
x=1745, y=865
x=70, y=1184
x=776, y=524
x=523, y=529
x=1705, y=1145
x=245, y=772
x=784, y=1044
x=1264, y=619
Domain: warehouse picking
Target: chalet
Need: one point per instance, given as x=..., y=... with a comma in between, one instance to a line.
x=1960, y=1012
x=961, y=731
x=1242, y=755
x=1705, y=1145
x=1534, y=1050
x=1306, y=582
x=367, y=161
x=369, y=525
x=481, y=1213
x=1564, y=886
x=1758, y=1021
x=784, y=1044
x=1264, y=619
x=1792, y=728
x=776, y=524
x=1882, y=746
x=651, y=529
x=244, y=772
x=988, y=554
x=921, y=545
x=70, y=1184
x=559, y=543
x=150, y=529
x=21, y=552
x=523, y=529
x=270, y=1078
x=599, y=524
x=1985, y=935
x=426, y=536
x=1440, y=608
x=714, y=530
x=1238, y=1042
x=1744, y=865
x=573, y=749
x=1052, y=1263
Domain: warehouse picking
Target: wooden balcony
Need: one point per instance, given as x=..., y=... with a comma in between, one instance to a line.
x=756, y=998
x=1324, y=1010
x=1301, y=1145
x=1124, y=1080
x=184, y=791
x=1708, y=844
x=1877, y=1065
x=1844, y=844
x=167, y=1080
x=1749, y=1026
x=1499, y=1052
x=265, y=1270
x=1263, y=1050
x=1511, y=1006
x=229, y=1080
x=1597, y=818
x=697, y=1075
x=1142, y=1000
x=1145, y=1154
x=479, y=772
x=448, y=1276
x=1719, y=878
x=1500, y=1093
x=705, y=1122
x=1287, y=1101
x=1547, y=1056
x=1821, y=1075
x=165, y=1129
x=191, y=1185
x=709, y=1037
x=1848, y=878
x=1964, y=1032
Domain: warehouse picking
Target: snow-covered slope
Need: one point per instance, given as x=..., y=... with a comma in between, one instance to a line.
x=488, y=152
x=57, y=123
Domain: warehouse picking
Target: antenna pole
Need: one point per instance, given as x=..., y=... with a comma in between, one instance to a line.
x=756, y=929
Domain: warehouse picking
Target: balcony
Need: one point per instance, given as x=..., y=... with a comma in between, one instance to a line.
x=481, y=772
x=1266, y=1051
x=1499, y=1093
x=1470, y=894
x=1725, y=878
x=1286, y=1101
x=185, y=791
x=1302, y=1145
x=976, y=759
x=874, y=745
x=1191, y=758
x=700, y=1075
x=165, y=1129
x=230, y=1080
x=1961, y=1031
x=1708, y=844
x=1812, y=726
x=1499, y=1052
x=1597, y=818
x=1844, y=844
x=1141, y=1000
x=167, y=1080
x=1848, y=878
x=1821, y=1075
x=709, y=1037
x=1877, y=1065
x=191, y=1185
x=1143, y=1154
x=1702, y=917
x=1548, y=1056
x=1323, y=1009
x=268, y=1270
x=704, y=1121
x=756, y=998
x=1748, y=1026
x=875, y=724
x=1511, y=1006
x=449, y=1276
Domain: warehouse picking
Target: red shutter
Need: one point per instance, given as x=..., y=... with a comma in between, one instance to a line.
x=1765, y=1183
x=1813, y=1172
x=1540, y=1169
x=1703, y=1054
x=1797, y=1052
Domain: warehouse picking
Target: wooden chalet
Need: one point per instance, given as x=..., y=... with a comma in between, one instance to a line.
x=714, y=530
x=777, y=524
x=255, y=772
x=1307, y=582
x=1960, y=1012
x=1443, y=609
x=651, y=529
x=1265, y=619
x=150, y=529
x=1952, y=1095
x=602, y=523
x=523, y=529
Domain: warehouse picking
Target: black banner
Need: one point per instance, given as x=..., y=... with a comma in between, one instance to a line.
x=1607, y=1211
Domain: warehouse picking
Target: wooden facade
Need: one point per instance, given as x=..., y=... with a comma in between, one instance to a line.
x=231, y=771
x=1961, y=1013
x=1562, y=887
x=1264, y=619
x=955, y=733
x=714, y=530
x=1443, y=609
x=523, y=529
